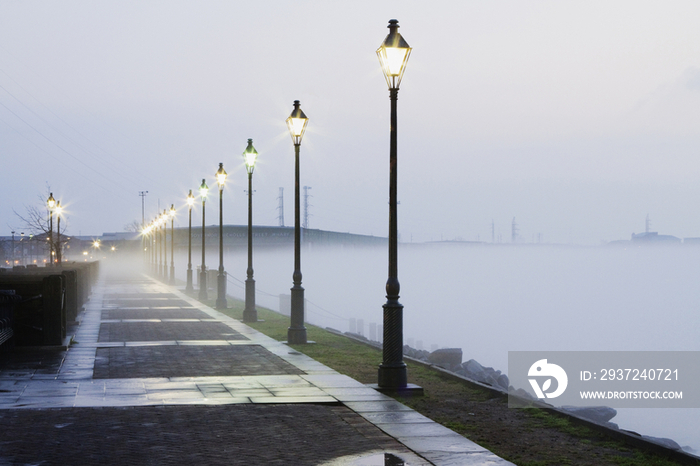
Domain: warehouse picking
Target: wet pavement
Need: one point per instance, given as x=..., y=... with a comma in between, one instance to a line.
x=155, y=377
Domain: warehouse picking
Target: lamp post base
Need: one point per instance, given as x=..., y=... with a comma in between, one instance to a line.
x=409, y=390
x=393, y=377
x=250, y=314
x=221, y=290
x=296, y=334
x=189, y=288
x=203, y=295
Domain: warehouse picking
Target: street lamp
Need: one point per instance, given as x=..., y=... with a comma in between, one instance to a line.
x=51, y=202
x=22, y=260
x=190, y=203
x=172, y=244
x=59, y=210
x=203, y=190
x=154, y=249
x=393, y=55
x=296, y=333
x=13, y=248
x=164, y=244
x=156, y=245
x=250, y=314
x=221, y=278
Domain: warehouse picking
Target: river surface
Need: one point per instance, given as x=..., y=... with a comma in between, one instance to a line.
x=491, y=299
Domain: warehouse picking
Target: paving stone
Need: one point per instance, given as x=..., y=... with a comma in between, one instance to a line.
x=159, y=313
x=164, y=331
x=188, y=361
x=148, y=302
x=212, y=435
x=23, y=363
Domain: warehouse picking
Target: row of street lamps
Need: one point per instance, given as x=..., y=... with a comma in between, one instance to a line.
x=250, y=314
x=393, y=55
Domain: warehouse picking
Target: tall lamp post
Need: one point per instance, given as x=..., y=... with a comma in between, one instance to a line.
x=221, y=278
x=51, y=202
x=164, y=244
x=250, y=314
x=393, y=55
x=154, y=248
x=59, y=210
x=203, y=190
x=172, y=244
x=156, y=243
x=296, y=333
x=13, y=248
x=190, y=203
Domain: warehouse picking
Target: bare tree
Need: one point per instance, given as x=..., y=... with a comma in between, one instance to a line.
x=133, y=227
x=37, y=221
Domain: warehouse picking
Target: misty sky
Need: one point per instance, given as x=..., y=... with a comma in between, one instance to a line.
x=576, y=118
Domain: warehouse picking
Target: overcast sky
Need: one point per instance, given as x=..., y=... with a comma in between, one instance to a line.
x=576, y=118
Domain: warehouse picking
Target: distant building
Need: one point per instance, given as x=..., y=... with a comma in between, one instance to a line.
x=654, y=237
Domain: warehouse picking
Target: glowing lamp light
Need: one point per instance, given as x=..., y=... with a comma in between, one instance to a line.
x=203, y=190
x=250, y=155
x=393, y=55
x=190, y=199
x=51, y=201
x=221, y=176
x=172, y=210
x=296, y=123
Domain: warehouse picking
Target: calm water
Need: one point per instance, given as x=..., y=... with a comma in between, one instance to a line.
x=489, y=300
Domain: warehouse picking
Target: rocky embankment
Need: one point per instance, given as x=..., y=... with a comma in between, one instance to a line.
x=450, y=359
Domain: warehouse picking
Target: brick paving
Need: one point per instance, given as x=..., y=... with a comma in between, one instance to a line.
x=213, y=435
x=188, y=361
x=154, y=377
x=159, y=313
x=166, y=331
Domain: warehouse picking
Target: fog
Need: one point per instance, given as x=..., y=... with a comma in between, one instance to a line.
x=490, y=299
x=576, y=118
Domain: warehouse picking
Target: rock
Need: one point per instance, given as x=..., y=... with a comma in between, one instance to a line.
x=503, y=382
x=473, y=367
x=665, y=442
x=446, y=357
x=599, y=414
x=523, y=394
x=491, y=380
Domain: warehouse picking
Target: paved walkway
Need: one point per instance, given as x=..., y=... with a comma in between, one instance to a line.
x=155, y=377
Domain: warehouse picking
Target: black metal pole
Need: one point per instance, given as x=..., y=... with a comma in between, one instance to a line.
x=164, y=268
x=172, y=250
x=296, y=333
x=392, y=370
x=250, y=314
x=221, y=278
x=58, y=239
x=189, y=286
x=50, y=237
x=203, y=272
x=154, y=245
